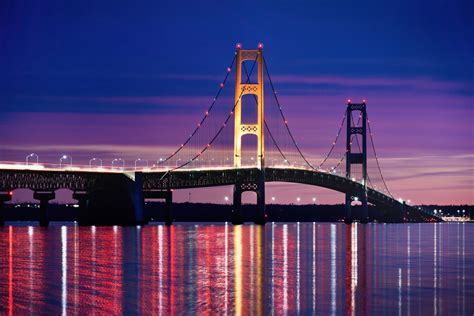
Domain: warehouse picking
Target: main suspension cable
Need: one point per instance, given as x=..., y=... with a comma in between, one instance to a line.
x=284, y=119
x=206, y=114
x=231, y=113
x=334, y=142
x=377, y=159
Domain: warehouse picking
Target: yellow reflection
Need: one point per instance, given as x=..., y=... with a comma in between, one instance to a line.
x=259, y=262
x=238, y=268
x=354, y=277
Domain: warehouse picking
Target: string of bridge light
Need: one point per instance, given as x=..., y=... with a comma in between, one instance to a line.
x=285, y=159
x=206, y=114
x=376, y=158
x=284, y=118
x=224, y=125
x=335, y=141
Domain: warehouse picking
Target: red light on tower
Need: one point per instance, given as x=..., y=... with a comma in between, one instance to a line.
x=363, y=101
x=260, y=46
x=238, y=46
x=10, y=193
x=349, y=101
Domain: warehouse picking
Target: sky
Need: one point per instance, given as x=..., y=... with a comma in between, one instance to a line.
x=127, y=79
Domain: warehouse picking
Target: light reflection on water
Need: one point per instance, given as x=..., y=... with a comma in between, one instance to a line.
x=296, y=268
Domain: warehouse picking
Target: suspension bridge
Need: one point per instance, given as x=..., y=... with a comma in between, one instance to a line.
x=216, y=153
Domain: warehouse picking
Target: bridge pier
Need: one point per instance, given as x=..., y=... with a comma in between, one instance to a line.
x=237, y=218
x=4, y=197
x=403, y=211
x=167, y=195
x=348, y=217
x=82, y=198
x=259, y=188
x=169, y=208
x=364, y=218
x=364, y=214
x=44, y=198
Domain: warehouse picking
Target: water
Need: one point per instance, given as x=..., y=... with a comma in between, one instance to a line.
x=301, y=268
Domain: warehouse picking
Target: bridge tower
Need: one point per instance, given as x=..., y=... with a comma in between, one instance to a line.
x=356, y=157
x=240, y=129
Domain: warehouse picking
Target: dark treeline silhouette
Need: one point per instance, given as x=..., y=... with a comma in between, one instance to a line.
x=206, y=212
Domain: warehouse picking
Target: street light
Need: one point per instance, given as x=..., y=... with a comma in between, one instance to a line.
x=273, y=199
x=140, y=159
x=314, y=200
x=32, y=155
x=65, y=157
x=298, y=199
x=95, y=159
x=117, y=160
x=226, y=198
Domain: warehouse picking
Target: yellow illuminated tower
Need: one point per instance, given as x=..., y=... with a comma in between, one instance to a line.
x=241, y=89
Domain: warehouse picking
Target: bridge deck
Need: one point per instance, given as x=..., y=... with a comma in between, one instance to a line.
x=84, y=179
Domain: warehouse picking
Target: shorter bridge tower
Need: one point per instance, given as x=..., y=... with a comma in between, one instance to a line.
x=356, y=157
x=242, y=88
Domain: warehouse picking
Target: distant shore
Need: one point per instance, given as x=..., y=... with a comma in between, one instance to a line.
x=207, y=212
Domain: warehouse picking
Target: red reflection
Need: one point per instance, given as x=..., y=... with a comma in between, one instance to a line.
x=10, y=270
x=209, y=269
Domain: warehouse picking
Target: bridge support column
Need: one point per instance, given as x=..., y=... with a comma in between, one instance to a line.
x=348, y=217
x=44, y=198
x=137, y=198
x=403, y=211
x=237, y=218
x=364, y=217
x=259, y=188
x=82, y=199
x=166, y=195
x=4, y=197
x=260, y=218
x=169, y=208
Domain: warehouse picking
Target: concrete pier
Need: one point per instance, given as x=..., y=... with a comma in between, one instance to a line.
x=4, y=197
x=44, y=197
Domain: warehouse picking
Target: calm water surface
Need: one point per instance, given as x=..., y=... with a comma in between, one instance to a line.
x=292, y=268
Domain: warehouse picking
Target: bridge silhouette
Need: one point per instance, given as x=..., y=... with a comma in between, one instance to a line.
x=212, y=155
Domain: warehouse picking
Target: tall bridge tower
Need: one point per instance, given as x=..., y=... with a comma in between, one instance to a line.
x=356, y=157
x=256, y=89
x=257, y=183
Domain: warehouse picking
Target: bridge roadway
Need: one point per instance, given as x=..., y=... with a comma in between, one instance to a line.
x=43, y=179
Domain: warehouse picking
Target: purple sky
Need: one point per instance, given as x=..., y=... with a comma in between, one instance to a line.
x=108, y=81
